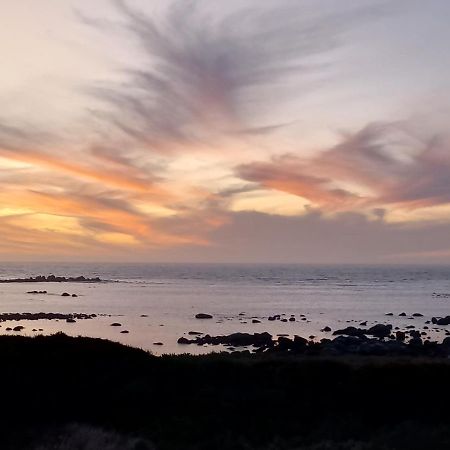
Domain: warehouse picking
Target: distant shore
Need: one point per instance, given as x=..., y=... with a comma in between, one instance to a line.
x=59, y=391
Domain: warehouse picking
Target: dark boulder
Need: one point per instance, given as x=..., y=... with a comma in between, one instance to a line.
x=203, y=316
x=284, y=343
x=400, y=336
x=441, y=320
x=379, y=330
x=349, y=331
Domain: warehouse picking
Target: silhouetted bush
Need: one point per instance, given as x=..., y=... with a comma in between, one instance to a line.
x=217, y=401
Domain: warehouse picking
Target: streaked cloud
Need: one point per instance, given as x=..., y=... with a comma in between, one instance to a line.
x=200, y=136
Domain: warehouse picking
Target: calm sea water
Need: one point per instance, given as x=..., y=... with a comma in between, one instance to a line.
x=171, y=294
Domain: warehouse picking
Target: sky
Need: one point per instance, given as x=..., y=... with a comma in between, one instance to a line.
x=278, y=131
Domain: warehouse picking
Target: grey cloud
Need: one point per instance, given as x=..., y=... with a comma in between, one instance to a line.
x=317, y=238
x=201, y=73
x=398, y=167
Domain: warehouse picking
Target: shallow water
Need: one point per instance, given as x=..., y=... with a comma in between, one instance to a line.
x=171, y=294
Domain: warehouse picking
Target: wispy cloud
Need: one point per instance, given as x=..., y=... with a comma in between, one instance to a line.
x=204, y=76
x=381, y=164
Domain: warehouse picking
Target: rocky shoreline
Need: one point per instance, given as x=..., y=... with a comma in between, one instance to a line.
x=44, y=316
x=53, y=279
x=339, y=346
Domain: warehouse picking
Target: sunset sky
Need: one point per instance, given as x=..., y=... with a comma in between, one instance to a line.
x=312, y=131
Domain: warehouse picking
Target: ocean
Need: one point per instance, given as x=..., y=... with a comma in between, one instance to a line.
x=157, y=303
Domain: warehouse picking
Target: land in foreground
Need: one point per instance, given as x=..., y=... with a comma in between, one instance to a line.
x=60, y=392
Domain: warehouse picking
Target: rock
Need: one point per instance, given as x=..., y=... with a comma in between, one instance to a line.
x=363, y=324
x=18, y=328
x=441, y=320
x=299, y=343
x=389, y=314
x=349, y=331
x=124, y=331
x=65, y=294
x=52, y=279
x=70, y=320
x=8, y=329
x=233, y=340
x=144, y=315
x=158, y=343
x=403, y=314
x=203, y=316
x=116, y=324
x=284, y=320
x=74, y=295
x=400, y=336
x=291, y=319
x=41, y=316
x=417, y=315
x=195, y=333
x=284, y=343
x=326, y=329
x=256, y=321
x=379, y=330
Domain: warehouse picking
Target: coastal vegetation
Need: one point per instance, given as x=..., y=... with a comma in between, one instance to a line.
x=60, y=392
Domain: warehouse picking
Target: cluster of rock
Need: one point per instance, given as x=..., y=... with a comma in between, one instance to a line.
x=37, y=292
x=234, y=340
x=441, y=320
x=285, y=319
x=355, y=343
x=44, y=316
x=441, y=295
x=379, y=330
x=51, y=279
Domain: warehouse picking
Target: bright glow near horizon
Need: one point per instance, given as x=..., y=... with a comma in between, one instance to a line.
x=276, y=131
